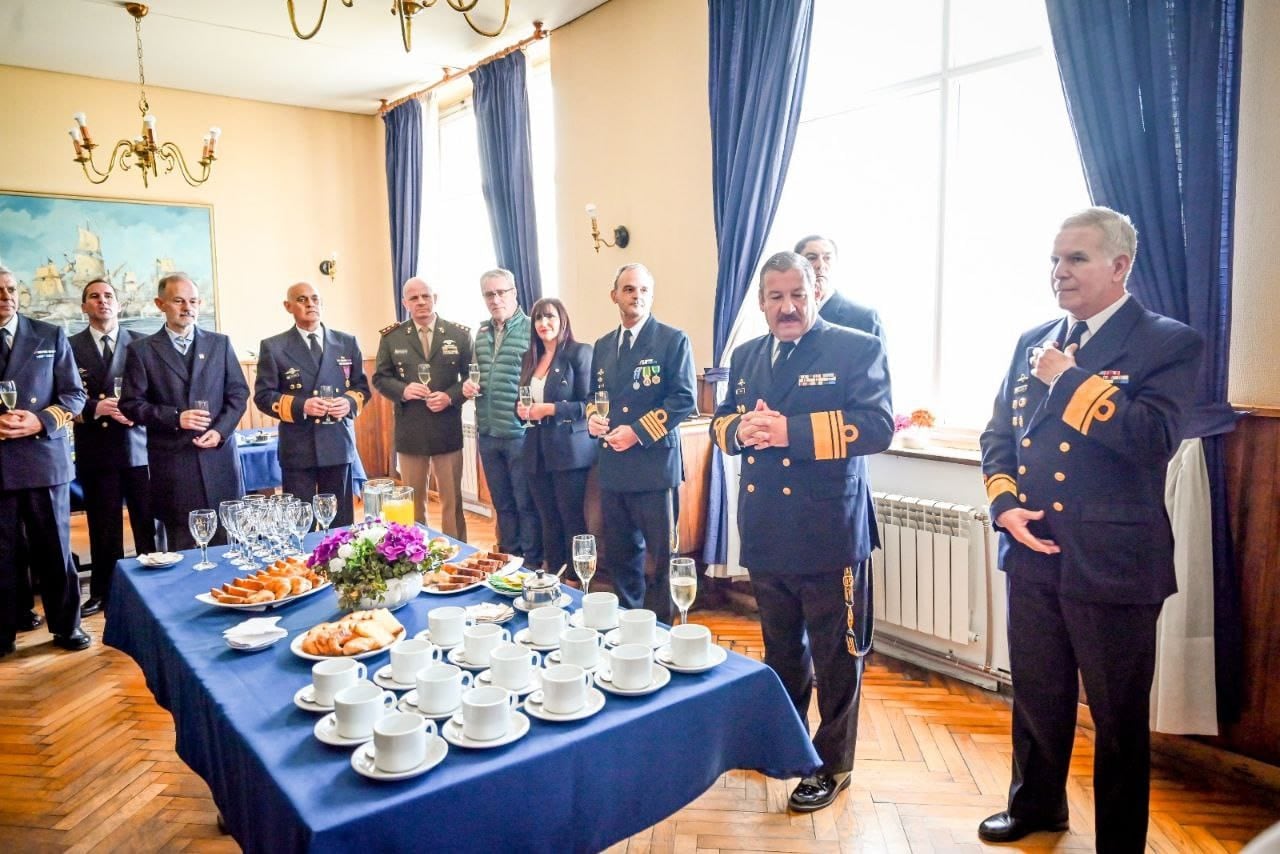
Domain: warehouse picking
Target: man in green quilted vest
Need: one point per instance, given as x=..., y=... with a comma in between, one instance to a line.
x=501, y=343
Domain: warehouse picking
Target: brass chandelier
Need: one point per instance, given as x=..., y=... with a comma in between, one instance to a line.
x=141, y=151
x=405, y=10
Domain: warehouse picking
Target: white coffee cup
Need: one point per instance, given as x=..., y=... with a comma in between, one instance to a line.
x=480, y=640
x=400, y=741
x=545, y=625
x=599, y=610
x=486, y=712
x=636, y=626
x=512, y=665
x=631, y=666
x=580, y=647
x=409, y=656
x=447, y=624
x=690, y=645
x=359, y=707
x=440, y=687
x=564, y=688
x=330, y=677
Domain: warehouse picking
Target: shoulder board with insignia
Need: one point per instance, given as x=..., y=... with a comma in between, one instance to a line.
x=384, y=330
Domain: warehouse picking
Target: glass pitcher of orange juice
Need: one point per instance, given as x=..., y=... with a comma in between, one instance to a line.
x=375, y=492
x=397, y=505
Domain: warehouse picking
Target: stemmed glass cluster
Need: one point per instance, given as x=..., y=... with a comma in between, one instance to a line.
x=263, y=529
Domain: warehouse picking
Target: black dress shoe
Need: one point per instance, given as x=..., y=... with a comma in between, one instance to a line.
x=29, y=621
x=1003, y=827
x=92, y=605
x=814, y=793
x=75, y=641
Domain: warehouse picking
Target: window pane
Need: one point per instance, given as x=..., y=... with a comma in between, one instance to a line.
x=466, y=245
x=985, y=29
x=543, y=133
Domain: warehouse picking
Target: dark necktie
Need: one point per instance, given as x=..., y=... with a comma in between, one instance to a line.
x=107, y=352
x=784, y=351
x=626, y=342
x=316, y=352
x=4, y=350
x=1078, y=329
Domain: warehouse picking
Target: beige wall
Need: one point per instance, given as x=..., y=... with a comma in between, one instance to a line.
x=290, y=185
x=633, y=136
x=1255, y=314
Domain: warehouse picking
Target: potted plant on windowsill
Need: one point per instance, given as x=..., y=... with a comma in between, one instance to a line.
x=379, y=565
x=916, y=429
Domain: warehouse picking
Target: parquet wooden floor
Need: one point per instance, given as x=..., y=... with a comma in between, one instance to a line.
x=87, y=763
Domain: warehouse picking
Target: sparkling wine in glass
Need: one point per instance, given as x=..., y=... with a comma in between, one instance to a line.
x=424, y=374
x=326, y=507
x=117, y=387
x=584, y=559
x=526, y=398
x=684, y=585
x=9, y=394
x=327, y=392
x=473, y=374
x=203, y=525
x=602, y=404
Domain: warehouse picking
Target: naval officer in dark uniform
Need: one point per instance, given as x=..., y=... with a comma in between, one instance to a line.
x=191, y=452
x=806, y=404
x=317, y=434
x=833, y=306
x=647, y=369
x=1074, y=459
x=111, y=450
x=428, y=417
x=35, y=470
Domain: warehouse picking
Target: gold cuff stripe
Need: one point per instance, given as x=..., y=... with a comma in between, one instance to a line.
x=591, y=409
x=721, y=427
x=999, y=484
x=831, y=436
x=61, y=417
x=358, y=398
x=284, y=408
x=1091, y=402
x=655, y=423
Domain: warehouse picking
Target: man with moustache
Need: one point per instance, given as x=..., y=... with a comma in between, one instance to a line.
x=35, y=470
x=1075, y=458
x=647, y=369
x=833, y=306
x=428, y=417
x=317, y=434
x=807, y=403
x=111, y=450
x=191, y=451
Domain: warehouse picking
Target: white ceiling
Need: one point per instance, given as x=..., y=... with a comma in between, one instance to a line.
x=247, y=49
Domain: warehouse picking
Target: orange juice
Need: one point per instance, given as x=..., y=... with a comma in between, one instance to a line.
x=398, y=510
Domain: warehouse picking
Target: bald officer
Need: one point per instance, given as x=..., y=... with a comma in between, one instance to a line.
x=806, y=404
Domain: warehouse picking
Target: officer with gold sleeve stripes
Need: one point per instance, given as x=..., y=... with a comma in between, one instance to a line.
x=647, y=369
x=35, y=469
x=317, y=434
x=1074, y=459
x=806, y=404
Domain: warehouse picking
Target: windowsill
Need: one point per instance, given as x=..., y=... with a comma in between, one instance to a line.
x=936, y=452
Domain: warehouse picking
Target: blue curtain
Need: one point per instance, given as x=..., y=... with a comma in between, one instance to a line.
x=1153, y=90
x=404, y=193
x=759, y=59
x=502, y=125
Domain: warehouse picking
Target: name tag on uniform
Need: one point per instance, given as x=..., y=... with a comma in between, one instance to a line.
x=45, y=354
x=449, y=348
x=1114, y=377
x=816, y=379
x=398, y=352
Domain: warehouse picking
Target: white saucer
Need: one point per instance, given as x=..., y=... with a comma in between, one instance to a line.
x=533, y=706
x=242, y=647
x=362, y=761
x=159, y=560
x=563, y=602
x=522, y=638
x=716, y=656
x=326, y=729
x=409, y=703
x=553, y=657
x=458, y=656
x=576, y=620
x=517, y=729
x=660, y=637
x=661, y=676
x=305, y=699
x=384, y=679
x=534, y=683
x=425, y=635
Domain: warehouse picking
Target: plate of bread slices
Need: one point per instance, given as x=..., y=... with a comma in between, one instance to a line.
x=286, y=580
x=360, y=634
x=467, y=574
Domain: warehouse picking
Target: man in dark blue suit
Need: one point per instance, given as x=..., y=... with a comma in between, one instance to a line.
x=1074, y=459
x=806, y=404
x=647, y=369
x=35, y=469
x=317, y=432
x=191, y=449
x=111, y=450
x=833, y=306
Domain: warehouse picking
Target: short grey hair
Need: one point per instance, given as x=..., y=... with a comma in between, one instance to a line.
x=498, y=273
x=5, y=271
x=785, y=262
x=1119, y=237
x=635, y=265
x=172, y=277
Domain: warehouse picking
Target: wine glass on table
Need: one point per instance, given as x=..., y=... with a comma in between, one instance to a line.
x=326, y=508
x=203, y=525
x=9, y=394
x=526, y=399
x=328, y=393
x=684, y=585
x=227, y=515
x=584, y=559
x=301, y=516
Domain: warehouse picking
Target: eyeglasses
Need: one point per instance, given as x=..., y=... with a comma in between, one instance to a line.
x=492, y=295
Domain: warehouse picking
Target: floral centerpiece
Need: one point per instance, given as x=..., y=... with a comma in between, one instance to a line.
x=377, y=565
x=915, y=428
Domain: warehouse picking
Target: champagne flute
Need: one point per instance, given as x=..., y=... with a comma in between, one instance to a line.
x=326, y=507
x=584, y=559
x=424, y=374
x=9, y=394
x=473, y=374
x=117, y=387
x=227, y=514
x=602, y=404
x=203, y=525
x=327, y=393
x=301, y=524
x=526, y=399
x=684, y=585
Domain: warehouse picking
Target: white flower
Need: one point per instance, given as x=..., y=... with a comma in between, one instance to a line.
x=345, y=551
x=373, y=534
x=336, y=564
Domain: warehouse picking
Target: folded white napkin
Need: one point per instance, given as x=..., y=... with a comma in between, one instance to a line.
x=490, y=612
x=255, y=631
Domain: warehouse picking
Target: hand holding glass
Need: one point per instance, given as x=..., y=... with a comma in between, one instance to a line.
x=203, y=525
x=117, y=387
x=473, y=374
x=684, y=585
x=9, y=394
x=584, y=559
x=602, y=404
x=526, y=399
x=327, y=393
x=424, y=374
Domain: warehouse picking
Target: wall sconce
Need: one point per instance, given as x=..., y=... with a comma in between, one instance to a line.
x=329, y=266
x=621, y=237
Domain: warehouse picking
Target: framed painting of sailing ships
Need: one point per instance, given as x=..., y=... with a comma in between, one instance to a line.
x=55, y=245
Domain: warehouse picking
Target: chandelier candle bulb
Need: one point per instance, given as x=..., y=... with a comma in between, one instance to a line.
x=149, y=128
x=591, y=210
x=75, y=140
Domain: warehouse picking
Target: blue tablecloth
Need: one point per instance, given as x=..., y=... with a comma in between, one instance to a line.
x=578, y=786
x=260, y=462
